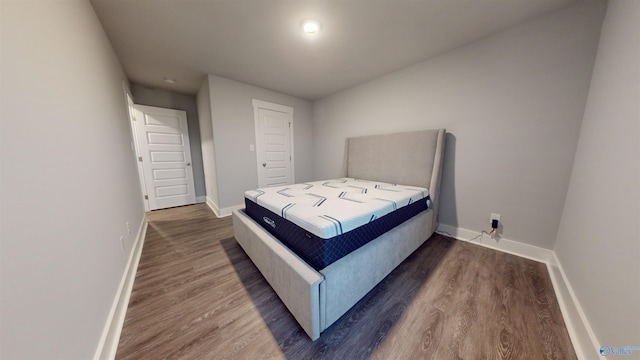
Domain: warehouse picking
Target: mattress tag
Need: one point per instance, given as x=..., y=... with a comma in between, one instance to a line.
x=269, y=222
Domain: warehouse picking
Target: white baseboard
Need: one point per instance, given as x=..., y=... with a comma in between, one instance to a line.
x=505, y=245
x=582, y=336
x=224, y=211
x=580, y=332
x=108, y=344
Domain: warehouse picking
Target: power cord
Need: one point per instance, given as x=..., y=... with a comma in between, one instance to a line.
x=483, y=232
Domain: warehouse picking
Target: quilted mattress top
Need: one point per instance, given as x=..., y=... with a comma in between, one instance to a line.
x=333, y=207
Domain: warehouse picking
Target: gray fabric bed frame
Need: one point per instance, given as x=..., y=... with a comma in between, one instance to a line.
x=318, y=298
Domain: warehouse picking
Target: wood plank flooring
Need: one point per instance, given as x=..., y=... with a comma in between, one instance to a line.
x=198, y=296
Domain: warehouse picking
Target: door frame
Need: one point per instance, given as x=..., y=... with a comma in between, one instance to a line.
x=260, y=104
x=135, y=147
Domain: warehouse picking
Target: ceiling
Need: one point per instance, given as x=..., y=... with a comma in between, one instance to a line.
x=261, y=42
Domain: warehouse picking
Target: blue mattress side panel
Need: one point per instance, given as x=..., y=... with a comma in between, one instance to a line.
x=318, y=252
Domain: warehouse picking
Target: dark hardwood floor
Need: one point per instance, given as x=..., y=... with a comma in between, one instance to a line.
x=198, y=296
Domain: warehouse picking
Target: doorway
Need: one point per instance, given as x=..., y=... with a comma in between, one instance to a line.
x=274, y=143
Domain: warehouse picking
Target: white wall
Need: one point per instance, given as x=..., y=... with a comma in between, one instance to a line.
x=598, y=241
x=203, y=100
x=145, y=95
x=69, y=182
x=512, y=102
x=234, y=130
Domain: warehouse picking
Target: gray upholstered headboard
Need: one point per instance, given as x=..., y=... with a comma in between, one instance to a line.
x=402, y=158
x=411, y=158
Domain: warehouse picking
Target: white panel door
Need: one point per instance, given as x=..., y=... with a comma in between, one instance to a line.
x=163, y=140
x=273, y=135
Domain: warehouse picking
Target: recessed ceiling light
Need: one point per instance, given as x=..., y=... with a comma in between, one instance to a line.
x=311, y=27
x=169, y=80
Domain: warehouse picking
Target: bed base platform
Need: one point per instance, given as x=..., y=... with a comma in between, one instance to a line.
x=317, y=299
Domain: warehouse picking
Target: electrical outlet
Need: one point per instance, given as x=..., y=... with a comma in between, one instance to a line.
x=494, y=217
x=494, y=223
x=128, y=228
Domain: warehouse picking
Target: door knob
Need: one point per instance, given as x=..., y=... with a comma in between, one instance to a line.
x=188, y=164
x=264, y=164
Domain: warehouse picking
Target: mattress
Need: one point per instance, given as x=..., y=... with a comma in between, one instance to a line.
x=323, y=221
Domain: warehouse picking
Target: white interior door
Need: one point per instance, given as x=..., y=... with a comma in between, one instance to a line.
x=274, y=139
x=165, y=154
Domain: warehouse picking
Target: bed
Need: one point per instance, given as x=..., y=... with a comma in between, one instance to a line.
x=318, y=296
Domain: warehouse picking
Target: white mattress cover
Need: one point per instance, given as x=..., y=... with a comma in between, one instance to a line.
x=332, y=207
